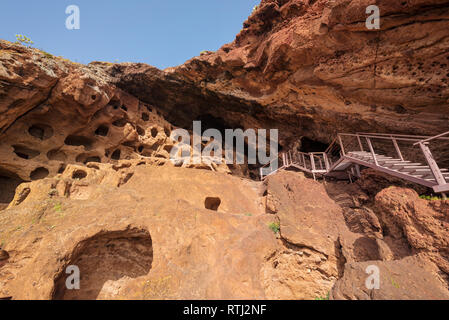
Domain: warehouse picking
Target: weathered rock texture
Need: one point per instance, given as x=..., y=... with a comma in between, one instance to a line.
x=55, y=112
x=85, y=176
x=311, y=68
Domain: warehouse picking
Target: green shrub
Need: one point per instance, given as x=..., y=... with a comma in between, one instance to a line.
x=430, y=198
x=323, y=298
x=47, y=55
x=23, y=40
x=275, y=227
x=58, y=207
x=256, y=7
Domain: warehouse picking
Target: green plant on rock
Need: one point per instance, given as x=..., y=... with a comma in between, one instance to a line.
x=58, y=207
x=323, y=298
x=47, y=55
x=275, y=227
x=23, y=40
x=256, y=7
x=430, y=198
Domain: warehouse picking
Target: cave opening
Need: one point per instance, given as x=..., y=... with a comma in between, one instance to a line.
x=9, y=182
x=39, y=173
x=102, y=130
x=103, y=261
x=41, y=131
x=116, y=155
x=212, y=203
x=25, y=152
x=309, y=145
x=79, y=174
x=77, y=141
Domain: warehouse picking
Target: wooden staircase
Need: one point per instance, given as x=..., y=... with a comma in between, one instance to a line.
x=349, y=153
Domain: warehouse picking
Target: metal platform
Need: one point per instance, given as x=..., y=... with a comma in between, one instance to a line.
x=412, y=159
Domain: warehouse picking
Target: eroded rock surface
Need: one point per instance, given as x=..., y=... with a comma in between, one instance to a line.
x=85, y=176
x=311, y=68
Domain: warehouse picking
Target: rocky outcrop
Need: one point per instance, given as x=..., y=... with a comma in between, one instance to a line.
x=86, y=180
x=398, y=281
x=170, y=244
x=55, y=113
x=424, y=224
x=311, y=68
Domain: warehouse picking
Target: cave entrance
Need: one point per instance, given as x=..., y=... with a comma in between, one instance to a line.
x=309, y=145
x=104, y=261
x=8, y=183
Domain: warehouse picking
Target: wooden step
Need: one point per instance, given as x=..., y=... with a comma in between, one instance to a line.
x=402, y=164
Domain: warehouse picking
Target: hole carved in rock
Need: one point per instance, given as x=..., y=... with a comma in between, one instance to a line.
x=79, y=174
x=102, y=130
x=9, y=181
x=41, y=131
x=77, y=141
x=25, y=152
x=56, y=155
x=116, y=155
x=103, y=260
x=212, y=203
x=39, y=173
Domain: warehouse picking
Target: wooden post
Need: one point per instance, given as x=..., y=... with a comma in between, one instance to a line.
x=341, y=145
x=372, y=151
x=360, y=143
x=357, y=170
x=398, y=151
x=312, y=161
x=439, y=178
x=326, y=162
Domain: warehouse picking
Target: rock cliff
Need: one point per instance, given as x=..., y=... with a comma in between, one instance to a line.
x=85, y=176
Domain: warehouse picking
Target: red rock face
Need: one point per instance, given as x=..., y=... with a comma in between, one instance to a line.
x=84, y=161
x=315, y=69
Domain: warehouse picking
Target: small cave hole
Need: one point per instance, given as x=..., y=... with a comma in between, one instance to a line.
x=86, y=158
x=61, y=168
x=94, y=97
x=102, y=130
x=79, y=174
x=154, y=132
x=366, y=249
x=124, y=180
x=124, y=108
x=145, y=116
x=115, y=103
x=120, y=123
x=39, y=173
x=56, y=155
x=212, y=203
x=9, y=181
x=104, y=260
x=309, y=145
x=25, y=152
x=116, y=155
x=41, y=131
x=78, y=141
x=140, y=131
x=93, y=159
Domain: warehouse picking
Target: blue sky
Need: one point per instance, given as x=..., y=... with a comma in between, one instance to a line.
x=162, y=33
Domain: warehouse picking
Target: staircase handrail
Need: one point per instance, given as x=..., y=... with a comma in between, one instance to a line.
x=440, y=136
x=385, y=136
